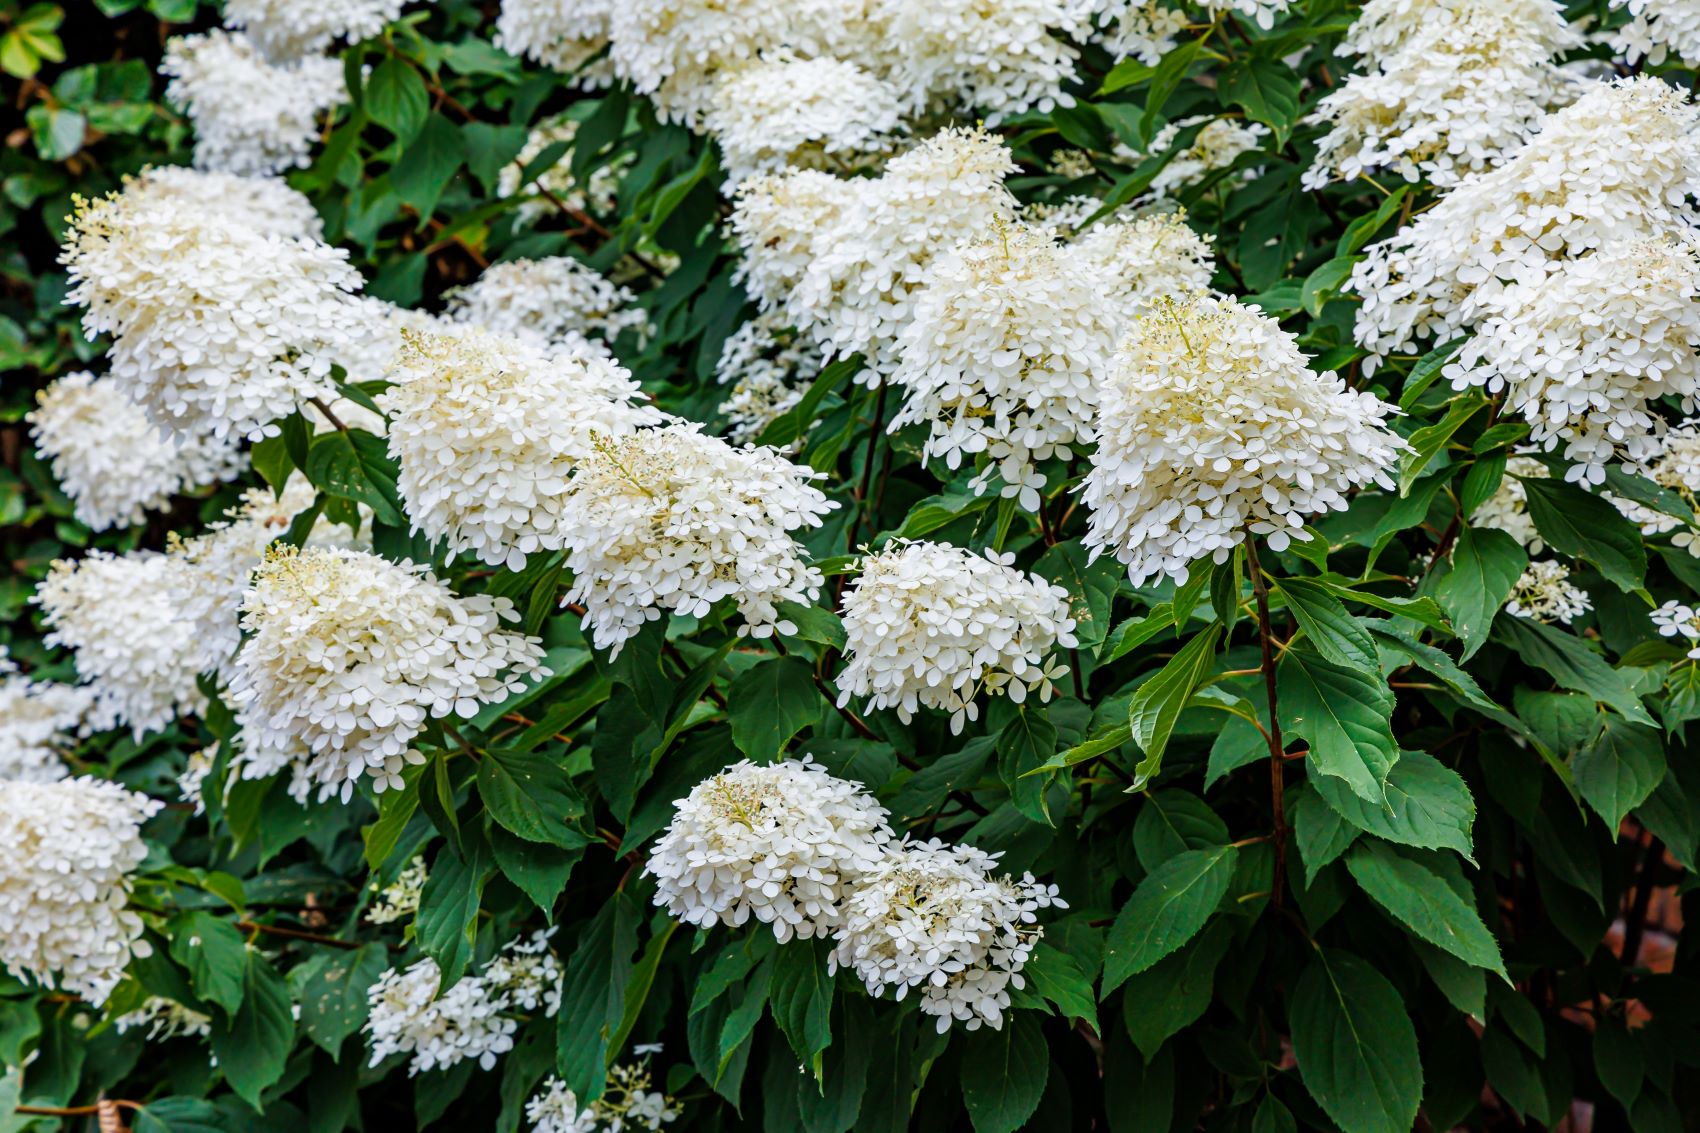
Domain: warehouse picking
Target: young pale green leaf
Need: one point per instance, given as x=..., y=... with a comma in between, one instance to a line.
x=1159, y=702
x=1343, y=714
x=1337, y=635
x=1004, y=1073
x=1428, y=441
x=1356, y=1049
x=1421, y=900
x=1169, y=907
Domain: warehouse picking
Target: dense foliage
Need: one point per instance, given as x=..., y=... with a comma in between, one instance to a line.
x=1302, y=751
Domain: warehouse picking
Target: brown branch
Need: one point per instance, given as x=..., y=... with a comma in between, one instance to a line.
x=296, y=934
x=1277, y=777
x=335, y=423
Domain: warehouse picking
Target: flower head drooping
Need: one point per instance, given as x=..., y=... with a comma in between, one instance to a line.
x=557, y=300
x=670, y=520
x=134, y=650
x=487, y=431
x=1545, y=593
x=596, y=195
x=411, y=1014
x=65, y=882
x=933, y=624
x=563, y=35
x=785, y=843
x=1145, y=30
x=1140, y=261
x=348, y=655
x=1450, y=87
x=1620, y=164
x=1673, y=619
x=38, y=723
x=934, y=918
x=219, y=329
x=165, y=1019
x=250, y=115
x=1212, y=426
x=289, y=29
x=789, y=113
x=1657, y=30
x=110, y=459
x=1508, y=508
x=1008, y=340
x=261, y=204
x=763, y=361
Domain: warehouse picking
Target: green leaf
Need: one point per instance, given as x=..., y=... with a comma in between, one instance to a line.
x=1058, y=977
x=1572, y=664
x=593, y=995
x=1343, y=713
x=795, y=422
x=541, y=871
x=1004, y=1073
x=1267, y=89
x=1586, y=527
x=1464, y=985
x=395, y=810
x=396, y=98
x=1422, y=900
x=1336, y=634
x=215, y=956
x=176, y=1115
x=1174, y=992
x=1319, y=831
x=637, y=989
x=1024, y=746
x=1620, y=768
x=1428, y=806
x=1618, y=1059
x=331, y=989
x=769, y=704
x=427, y=165
x=530, y=795
x=1427, y=369
x=1168, y=909
x=1325, y=282
x=1356, y=1049
x=1486, y=564
x=1427, y=441
x=1159, y=702
x=490, y=149
x=337, y=466
x=447, y=922
x=253, y=1048
x=802, y=997
x=1172, y=822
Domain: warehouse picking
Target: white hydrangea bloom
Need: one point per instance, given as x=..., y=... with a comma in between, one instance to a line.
x=347, y=656
x=218, y=328
x=65, y=882
x=1140, y=260
x=554, y=1109
x=1658, y=29
x=1004, y=58
x=192, y=782
x=764, y=361
x=784, y=112
x=784, y=843
x=1545, y=593
x=1145, y=30
x=1507, y=509
x=1620, y=164
x=1217, y=146
x=250, y=115
x=410, y=1014
x=487, y=430
x=597, y=196
x=1677, y=467
x=1008, y=340
x=1450, y=87
x=165, y=1019
x=843, y=259
x=1263, y=12
x=262, y=204
x=1586, y=353
x=670, y=520
x=932, y=624
x=289, y=29
x=111, y=460
x=399, y=900
x=557, y=299
x=628, y=1104
x=933, y=918
x=39, y=721
x=219, y=563
x=563, y=35
x=134, y=650
x=1674, y=619
x=1211, y=426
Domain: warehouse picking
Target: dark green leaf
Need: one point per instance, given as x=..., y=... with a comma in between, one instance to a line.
x=531, y=795
x=1586, y=527
x=1620, y=768
x=1428, y=806
x=1336, y=634
x=1004, y=1073
x=1168, y=909
x=1174, y=992
x=1356, y=1050
x=1343, y=713
x=253, y=1048
x=771, y=703
x=1421, y=900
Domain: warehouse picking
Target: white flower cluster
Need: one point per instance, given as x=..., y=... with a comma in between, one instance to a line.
x=629, y=1104
x=218, y=328
x=558, y=300
x=165, y=1019
x=289, y=29
x=1658, y=29
x=933, y=918
x=250, y=115
x=262, y=204
x=563, y=35
x=1544, y=593
x=1140, y=260
x=1620, y=164
x=411, y=1014
x=671, y=520
x=595, y=196
x=785, y=112
x=1008, y=339
x=763, y=361
x=134, y=650
x=1217, y=146
x=1145, y=30
x=783, y=843
x=65, y=882
x=1673, y=619
x=487, y=431
x=1212, y=426
x=399, y=900
x=347, y=655
x=38, y=721
x=1507, y=509
x=842, y=259
x=1449, y=87
x=1677, y=467
x=934, y=624
x=1006, y=57
x=1262, y=12
x=192, y=782
x=110, y=459
x=1586, y=352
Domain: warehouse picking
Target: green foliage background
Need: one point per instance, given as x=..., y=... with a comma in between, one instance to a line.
x=1538, y=784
